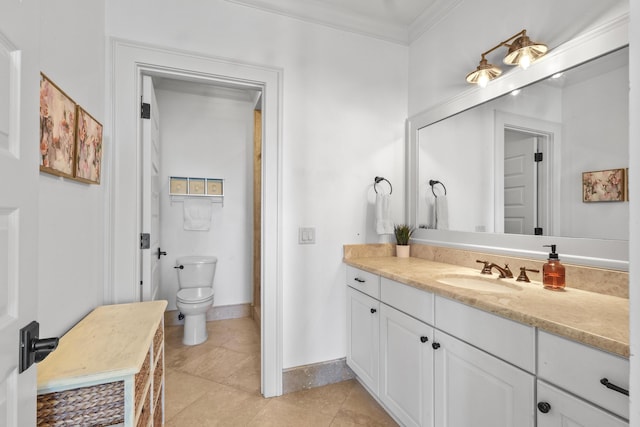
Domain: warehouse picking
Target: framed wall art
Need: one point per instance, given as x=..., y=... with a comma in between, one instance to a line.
x=604, y=186
x=57, y=129
x=88, y=146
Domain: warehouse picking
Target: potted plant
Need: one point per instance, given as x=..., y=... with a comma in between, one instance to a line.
x=403, y=233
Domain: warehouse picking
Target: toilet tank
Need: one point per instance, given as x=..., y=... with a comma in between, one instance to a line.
x=197, y=272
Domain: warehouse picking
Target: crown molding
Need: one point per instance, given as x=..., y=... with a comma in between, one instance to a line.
x=320, y=13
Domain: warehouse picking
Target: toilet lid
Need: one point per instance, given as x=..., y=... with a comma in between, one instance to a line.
x=194, y=295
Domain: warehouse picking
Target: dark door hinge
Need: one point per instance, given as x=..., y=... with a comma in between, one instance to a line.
x=537, y=157
x=537, y=231
x=145, y=240
x=145, y=110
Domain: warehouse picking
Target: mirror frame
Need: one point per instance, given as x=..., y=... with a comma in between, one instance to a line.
x=612, y=254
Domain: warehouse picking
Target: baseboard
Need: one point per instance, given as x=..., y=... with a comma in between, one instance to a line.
x=215, y=313
x=315, y=375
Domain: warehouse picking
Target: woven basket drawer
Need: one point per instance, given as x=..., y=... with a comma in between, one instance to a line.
x=99, y=405
x=158, y=340
x=145, y=415
x=141, y=379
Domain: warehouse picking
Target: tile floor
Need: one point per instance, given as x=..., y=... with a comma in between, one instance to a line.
x=217, y=383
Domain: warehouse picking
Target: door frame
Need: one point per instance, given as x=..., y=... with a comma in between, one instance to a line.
x=129, y=60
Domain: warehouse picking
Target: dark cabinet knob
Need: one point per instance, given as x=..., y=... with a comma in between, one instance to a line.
x=424, y=339
x=373, y=310
x=544, y=407
x=435, y=345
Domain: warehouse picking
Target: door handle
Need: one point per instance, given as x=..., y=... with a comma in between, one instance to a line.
x=34, y=349
x=160, y=253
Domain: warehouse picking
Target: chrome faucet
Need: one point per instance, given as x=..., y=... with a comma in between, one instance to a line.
x=505, y=272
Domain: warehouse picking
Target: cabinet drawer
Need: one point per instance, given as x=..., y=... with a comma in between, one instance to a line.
x=412, y=301
x=504, y=338
x=579, y=369
x=563, y=406
x=364, y=281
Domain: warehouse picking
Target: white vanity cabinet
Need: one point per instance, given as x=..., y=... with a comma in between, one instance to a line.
x=474, y=388
x=406, y=367
x=436, y=362
x=484, y=367
x=363, y=337
x=584, y=372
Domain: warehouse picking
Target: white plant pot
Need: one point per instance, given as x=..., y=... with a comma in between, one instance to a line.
x=402, y=251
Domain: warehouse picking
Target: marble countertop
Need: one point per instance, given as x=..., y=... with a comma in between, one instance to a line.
x=599, y=320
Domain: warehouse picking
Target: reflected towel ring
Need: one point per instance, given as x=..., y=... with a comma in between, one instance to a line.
x=377, y=180
x=433, y=182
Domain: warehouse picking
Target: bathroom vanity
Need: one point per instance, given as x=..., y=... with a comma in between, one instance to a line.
x=107, y=370
x=460, y=354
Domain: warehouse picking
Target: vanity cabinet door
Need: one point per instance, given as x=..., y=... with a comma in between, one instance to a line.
x=473, y=388
x=406, y=367
x=363, y=337
x=559, y=409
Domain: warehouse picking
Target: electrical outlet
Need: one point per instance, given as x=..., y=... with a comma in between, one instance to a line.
x=306, y=235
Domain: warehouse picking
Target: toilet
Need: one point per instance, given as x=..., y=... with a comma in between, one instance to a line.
x=195, y=296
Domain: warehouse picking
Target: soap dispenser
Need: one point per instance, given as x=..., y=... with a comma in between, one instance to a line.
x=553, y=271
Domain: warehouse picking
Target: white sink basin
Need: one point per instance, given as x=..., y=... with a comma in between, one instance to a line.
x=477, y=283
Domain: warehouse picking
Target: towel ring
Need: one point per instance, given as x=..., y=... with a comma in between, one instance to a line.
x=377, y=180
x=433, y=182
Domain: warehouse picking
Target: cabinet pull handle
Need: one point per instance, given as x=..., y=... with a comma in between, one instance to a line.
x=424, y=339
x=544, y=407
x=373, y=310
x=435, y=345
x=359, y=280
x=605, y=382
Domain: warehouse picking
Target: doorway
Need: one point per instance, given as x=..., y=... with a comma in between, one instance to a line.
x=531, y=135
x=125, y=168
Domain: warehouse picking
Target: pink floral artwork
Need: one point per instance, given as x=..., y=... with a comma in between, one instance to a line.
x=88, y=148
x=603, y=186
x=57, y=129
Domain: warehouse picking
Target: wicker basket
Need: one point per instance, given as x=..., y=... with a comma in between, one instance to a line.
x=141, y=379
x=99, y=405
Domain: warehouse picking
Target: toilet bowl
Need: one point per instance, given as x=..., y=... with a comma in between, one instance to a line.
x=195, y=297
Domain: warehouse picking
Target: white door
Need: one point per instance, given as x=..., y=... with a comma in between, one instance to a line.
x=406, y=367
x=559, y=409
x=473, y=388
x=19, y=131
x=150, y=257
x=363, y=337
x=520, y=183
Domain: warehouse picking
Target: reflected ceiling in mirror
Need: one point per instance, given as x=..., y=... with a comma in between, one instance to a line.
x=485, y=156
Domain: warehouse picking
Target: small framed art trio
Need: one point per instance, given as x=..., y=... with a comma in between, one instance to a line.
x=70, y=138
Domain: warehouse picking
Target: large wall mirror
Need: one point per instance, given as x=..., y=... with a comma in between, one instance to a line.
x=506, y=174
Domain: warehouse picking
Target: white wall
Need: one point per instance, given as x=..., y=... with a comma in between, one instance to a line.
x=344, y=107
x=209, y=137
x=71, y=221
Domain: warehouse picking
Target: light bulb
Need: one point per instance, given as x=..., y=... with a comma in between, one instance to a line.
x=483, y=80
x=525, y=60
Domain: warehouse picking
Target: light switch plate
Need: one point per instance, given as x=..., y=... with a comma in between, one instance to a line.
x=306, y=235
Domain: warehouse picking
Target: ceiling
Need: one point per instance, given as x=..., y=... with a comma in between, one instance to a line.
x=399, y=21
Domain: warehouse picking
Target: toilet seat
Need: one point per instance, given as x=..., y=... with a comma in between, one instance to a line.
x=194, y=295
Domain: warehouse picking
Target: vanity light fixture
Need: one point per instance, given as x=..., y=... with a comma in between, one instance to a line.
x=522, y=52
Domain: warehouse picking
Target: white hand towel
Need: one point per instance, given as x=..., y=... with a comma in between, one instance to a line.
x=442, y=213
x=197, y=214
x=384, y=225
